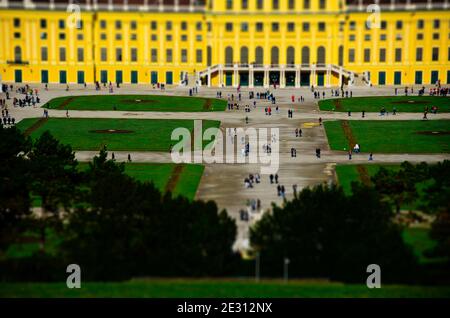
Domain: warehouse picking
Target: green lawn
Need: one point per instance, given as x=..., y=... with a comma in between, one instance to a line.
x=409, y=104
x=180, y=288
x=155, y=103
x=159, y=174
x=143, y=134
x=346, y=174
x=391, y=136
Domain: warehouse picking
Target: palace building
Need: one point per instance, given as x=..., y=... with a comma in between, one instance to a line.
x=253, y=43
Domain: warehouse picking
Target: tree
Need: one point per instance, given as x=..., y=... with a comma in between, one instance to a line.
x=14, y=184
x=54, y=178
x=326, y=234
x=127, y=228
x=397, y=188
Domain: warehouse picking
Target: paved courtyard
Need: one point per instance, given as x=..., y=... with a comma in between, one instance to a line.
x=224, y=183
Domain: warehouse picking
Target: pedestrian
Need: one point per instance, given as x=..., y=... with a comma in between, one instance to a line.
x=371, y=157
x=129, y=157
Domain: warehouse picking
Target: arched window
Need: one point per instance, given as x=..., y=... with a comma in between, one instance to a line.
x=259, y=55
x=244, y=55
x=305, y=55
x=209, y=55
x=17, y=53
x=229, y=55
x=341, y=55
x=275, y=56
x=321, y=55
x=290, y=56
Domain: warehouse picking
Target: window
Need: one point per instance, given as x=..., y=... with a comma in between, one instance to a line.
x=244, y=55
x=366, y=55
x=290, y=55
x=62, y=36
x=321, y=55
x=399, y=25
x=244, y=4
x=305, y=27
x=305, y=55
x=291, y=27
x=259, y=27
x=244, y=27
x=102, y=24
x=260, y=4
x=322, y=26
x=43, y=23
x=398, y=55
x=383, y=25
x=436, y=24
x=134, y=54
x=169, y=57
x=419, y=54
x=435, y=54
x=275, y=27
x=291, y=4
x=184, y=56
x=306, y=4
x=118, y=54
x=62, y=54
x=80, y=54
x=17, y=35
x=259, y=55
x=169, y=25
x=436, y=36
x=153, y=25
x=80, y=37
x=382, y=55
x=199, y=56
x=43, y=35
x=133, y=25
x=44, y=54
x=16, y=22
x=103, y=54
x=17, y=53
x=61, y=24
x=229, y=4
x=229, y=55
x=352, y=26
x=184, y=26
x=322, y=4
x=420, y=24
x=275, y=4
x=419, y=36
x=102, y=36
x=154, y=54
x=351, y=55
x=229, y=27
x=275, y=56
x=199, y=26
x=118, y=25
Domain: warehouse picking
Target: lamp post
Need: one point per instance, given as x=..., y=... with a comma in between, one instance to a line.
x=286, y=269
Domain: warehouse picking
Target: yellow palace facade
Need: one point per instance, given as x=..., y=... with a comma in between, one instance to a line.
x=255, y=43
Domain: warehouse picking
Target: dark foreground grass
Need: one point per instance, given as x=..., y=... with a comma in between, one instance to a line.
x=155, y=103
x=392, y=136
x=403, y=104
x=173, y=288
x=143, y=135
